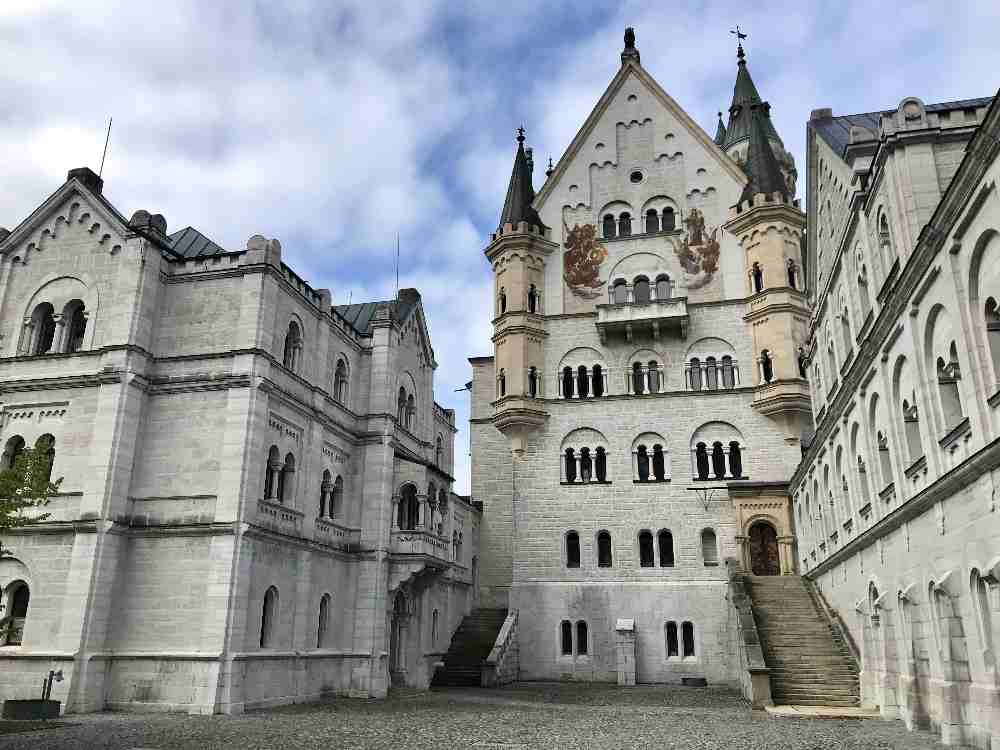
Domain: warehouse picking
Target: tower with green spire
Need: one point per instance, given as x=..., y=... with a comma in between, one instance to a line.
x=518, y=252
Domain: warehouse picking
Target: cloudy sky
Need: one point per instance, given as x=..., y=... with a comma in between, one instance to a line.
x=333, y=125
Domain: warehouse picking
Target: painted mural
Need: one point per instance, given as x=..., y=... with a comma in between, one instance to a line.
x=582, y=261
x=699, y=250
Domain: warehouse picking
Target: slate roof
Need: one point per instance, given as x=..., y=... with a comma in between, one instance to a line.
x=361, y=314
x=520, y=193
x=744, y=95
x=720, y=132
x=190, y=243
x=836, y=131
x=761, y=165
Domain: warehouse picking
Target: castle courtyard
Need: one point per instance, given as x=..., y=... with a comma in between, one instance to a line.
x=529, y=716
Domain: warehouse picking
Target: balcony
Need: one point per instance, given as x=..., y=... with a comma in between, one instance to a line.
x=333, y=534
x=277, y=517
x=667, y=316
x=413, y=553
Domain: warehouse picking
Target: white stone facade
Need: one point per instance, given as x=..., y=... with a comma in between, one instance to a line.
x=638, y=152
x=896, y=500
x=230, y=443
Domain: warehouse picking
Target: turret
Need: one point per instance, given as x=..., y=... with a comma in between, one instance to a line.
x=518, y=252
x=769, y=225
x=736, y=138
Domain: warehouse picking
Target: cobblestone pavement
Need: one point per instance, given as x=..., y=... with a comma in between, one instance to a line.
x=525, y=717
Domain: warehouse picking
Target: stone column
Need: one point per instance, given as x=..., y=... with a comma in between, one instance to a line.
x=704, y=376
x=275, y=468
x=59, y=334
x=743, y=542
x=786, y=554
x=326, y=501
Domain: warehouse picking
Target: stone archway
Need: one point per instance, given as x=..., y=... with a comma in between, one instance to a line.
x=764, y=557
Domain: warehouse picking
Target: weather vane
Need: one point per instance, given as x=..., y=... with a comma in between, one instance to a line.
x=740, y=36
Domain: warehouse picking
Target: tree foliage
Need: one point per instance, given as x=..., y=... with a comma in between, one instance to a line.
x=24, y=488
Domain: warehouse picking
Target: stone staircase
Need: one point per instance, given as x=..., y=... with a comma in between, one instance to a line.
x=810, y=663
x=470, y=645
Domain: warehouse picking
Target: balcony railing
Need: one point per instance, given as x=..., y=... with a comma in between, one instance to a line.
x=420, y=543
x=667, y=316
x=279, y=518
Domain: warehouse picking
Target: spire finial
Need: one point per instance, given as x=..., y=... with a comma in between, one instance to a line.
x=520, y=134
x=740, y=36
x=549, y=169
x=630, y=52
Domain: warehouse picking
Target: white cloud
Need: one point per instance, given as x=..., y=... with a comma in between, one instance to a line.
x=333, y=126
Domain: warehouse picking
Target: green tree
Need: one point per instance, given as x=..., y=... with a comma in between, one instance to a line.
x=25, y=487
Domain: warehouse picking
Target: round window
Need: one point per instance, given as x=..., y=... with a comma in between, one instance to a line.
x=636, y=176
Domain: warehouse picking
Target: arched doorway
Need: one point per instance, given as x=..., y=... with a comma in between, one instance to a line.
x=764, y=550
x=397, y=640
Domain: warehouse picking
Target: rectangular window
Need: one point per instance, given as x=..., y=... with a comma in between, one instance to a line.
x=687, y=635
x=567, y=638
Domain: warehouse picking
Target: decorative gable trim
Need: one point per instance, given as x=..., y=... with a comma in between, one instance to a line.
x=632, y=67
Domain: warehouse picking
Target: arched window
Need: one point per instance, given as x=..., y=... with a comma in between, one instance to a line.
x=401, y=407
x=582, y=381
x=653, y=371
x=687, y=638
x=570, y=465
x=532, y=382
x=572, y=550
x=652, y=221
x=911, y=426
x=75, y=319
x=442, y=509
x=659, y=465
x=532, y=298
x=620, y=292
x=638, y=381
x=711, y=373
x=434, y=628
x=340, y=382
x=665, y=542
x=411, y=410
x=766, y=366
x=18, y=598
x=409, y=508
x=293, y=347
x=735, y=460
x=645, y=549
x=13, y=450
x=802, y=363
x=271, y=473
x=566, y=637
x=663, y=291
x=601, y=465
x=439, y=451
x=581, y=638
x=671, y=638
x=948, y=375
x=586, y=466
x=709, y=548
x=992, y=319
x=598, y=381
x=286, y=478
x=694, y=374
x=337, y=498
x=502, y=383
x=324, y=620
x=791, y=273
x=567, y=382
x=669, y=220
x=757, y=273
x=845, y=332
x=502, y=300
x=640, y=291
x=642, y=463
x=885, y=240
x=701, y=460
x=268, y=615
x=608, y=227
x=43, y=323
x=625, y=225
x=885, y=461
x=718, y=460
x=866, y=303
x=604, y=550
x=728, y=374
x=325, y=488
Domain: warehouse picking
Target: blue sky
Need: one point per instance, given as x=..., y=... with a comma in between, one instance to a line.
x=332, y=126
